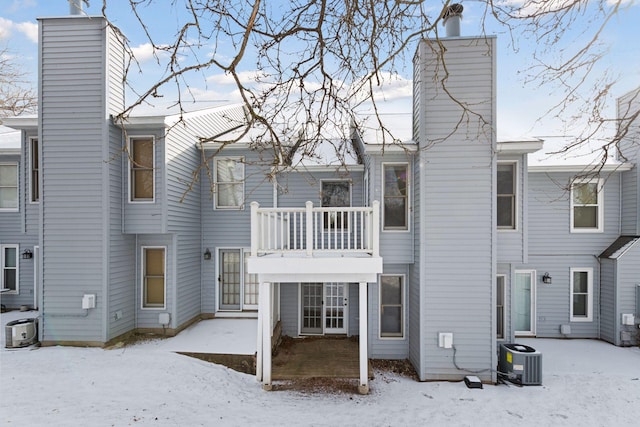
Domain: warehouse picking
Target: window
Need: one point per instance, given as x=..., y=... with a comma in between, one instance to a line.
x=8, y=186
x=391, y=306
x=238, y=288
x=154, y=273
x=9, y=263
x=395, y=196
x=141, y=173
x=586, y=206
x=229, y=174
x=335, y=194
x=34, y=177
x=500, y=298
x=581, y=294
x=506, y=189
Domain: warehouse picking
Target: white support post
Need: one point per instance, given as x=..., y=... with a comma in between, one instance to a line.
x=255, y=232
x=309, y=225
x=265, y=304
x=375, y=229
x=259, y=339
x=363, y=387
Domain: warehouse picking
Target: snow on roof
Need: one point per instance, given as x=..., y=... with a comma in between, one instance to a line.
x=9, y=140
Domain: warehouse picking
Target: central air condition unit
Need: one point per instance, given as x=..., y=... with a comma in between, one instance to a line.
x=21, y=333
x=521, y=364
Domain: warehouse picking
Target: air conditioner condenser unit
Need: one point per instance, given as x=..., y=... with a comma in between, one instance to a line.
x=520, y=364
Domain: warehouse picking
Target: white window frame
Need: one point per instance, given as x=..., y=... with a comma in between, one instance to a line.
x=600, y=207
x=132, y=198
x=15, y=291
x=408, y=197
x=504, y=306
x=533, y=303
x=589, y=317
x=142, y=276
x=403, y=310
x=17, y=166
x=244, y=307
x=516, y=196
x=238, y=159
x=34, y=166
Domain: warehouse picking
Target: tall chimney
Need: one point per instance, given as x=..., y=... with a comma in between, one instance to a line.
x=75, y=7
x=451, y=20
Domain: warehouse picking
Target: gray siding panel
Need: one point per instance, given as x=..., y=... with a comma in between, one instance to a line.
x=289, y=308
x=628, y=278
x=511, y=243
x=458, y=228
x=608, y=294
x=628, y=104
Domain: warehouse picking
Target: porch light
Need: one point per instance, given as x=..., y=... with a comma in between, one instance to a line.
x=546, y=279
x=207, y=254
x=27, y=254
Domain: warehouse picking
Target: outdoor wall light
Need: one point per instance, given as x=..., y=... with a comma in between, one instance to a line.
x=207, y=254
x=27, y=254
x=546, y=279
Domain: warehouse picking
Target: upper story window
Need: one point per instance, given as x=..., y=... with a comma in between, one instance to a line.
x=335, y=194
x=396, y=196
x=506, y=196
x=34, y=177
x=8, y=186
x=9, y=265
x=229, y=183
x=581, y=294
x=586, y=206
x=141, y=172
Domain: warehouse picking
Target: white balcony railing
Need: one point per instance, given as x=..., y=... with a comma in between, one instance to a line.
x=312, y=230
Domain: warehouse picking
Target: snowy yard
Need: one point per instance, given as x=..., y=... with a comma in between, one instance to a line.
x=585, y=382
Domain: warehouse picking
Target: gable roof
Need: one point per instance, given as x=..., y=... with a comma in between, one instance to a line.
x=620, y=247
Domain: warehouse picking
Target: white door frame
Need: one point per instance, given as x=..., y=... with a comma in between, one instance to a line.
x=532, y=313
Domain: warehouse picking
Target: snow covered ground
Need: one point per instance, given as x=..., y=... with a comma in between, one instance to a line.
x=585, y=382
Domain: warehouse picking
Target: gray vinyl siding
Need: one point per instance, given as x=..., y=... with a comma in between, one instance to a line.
x=414, y=305
x=457, y=236
x=122, y=266
x=628, y=277
x=553, y=300
x=147, y=217
x=549, y=217
x=289, y=308
x=627, y=105
x=512, y=243
x=73, y=129
x=388, y=348
x=148, y=317
x=608, y=296
x=296, y=188
x=396, y=247
x=230, y=228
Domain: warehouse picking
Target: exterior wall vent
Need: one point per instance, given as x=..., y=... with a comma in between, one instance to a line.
x=451, y=20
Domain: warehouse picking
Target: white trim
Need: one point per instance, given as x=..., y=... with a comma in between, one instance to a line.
x=609, y=167
x=516, y=202
x=600, y=207
x=131, y=198
x=142, y=271
x=30, y=179
x=519, y=146
x=589, y=317
x=36, y=275
x=532, y=313
x=15, y=291
x=408, y=196
x=239, y=159
x=17, y=166
x=504, y=306
x=402, y=307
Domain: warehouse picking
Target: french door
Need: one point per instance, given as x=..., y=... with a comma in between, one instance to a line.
x=238, y=290
x=324, y=308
